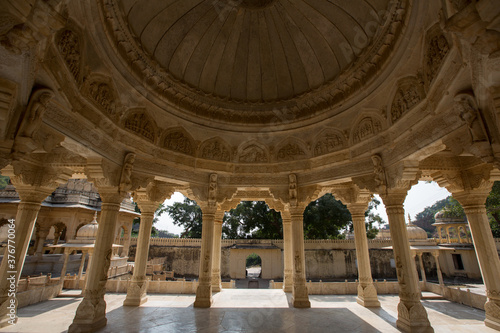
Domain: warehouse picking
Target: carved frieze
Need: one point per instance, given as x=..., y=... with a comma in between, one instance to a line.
x=141, y=124
x=436, y=50
x=98, y=89
x=329, y=141
x=290, y=151
x=409, y=93
x=253, y=154
x=178, y=141
x=215, y=149
x=367, y=127
x=70, y=48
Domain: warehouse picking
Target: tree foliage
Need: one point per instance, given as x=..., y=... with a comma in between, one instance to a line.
x=253, y=260
x=137, y=221
x=425, y=218
x=323, y=218
x=4, y=181
x=493, y=209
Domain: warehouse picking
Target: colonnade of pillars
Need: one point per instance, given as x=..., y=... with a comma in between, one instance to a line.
x=412, y=316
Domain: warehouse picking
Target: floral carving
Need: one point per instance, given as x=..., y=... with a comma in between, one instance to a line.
x=290, y=151
x=69, y=46
x=102, y=95
x=253, y=154
x=141, y=124
x=328, y=143
x=366, y=128
x=437, y=49
x=215, y=150
x=177, y=141
x=407, y=96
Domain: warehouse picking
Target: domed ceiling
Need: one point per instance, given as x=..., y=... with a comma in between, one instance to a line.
x=252, y=56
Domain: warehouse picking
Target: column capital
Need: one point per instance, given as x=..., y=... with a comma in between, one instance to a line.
x=149, y=198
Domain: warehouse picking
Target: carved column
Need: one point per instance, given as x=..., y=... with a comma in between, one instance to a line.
x=148, y=201
x=438, y=268
x=204, y=291
x=471, y=187
x=82, y=265
x=367, y=294
x=126, y=245
x=91, y=313
x=300, y=295
x=42, y=236
x=64, y=267
x=216, y=279
x=33, y=184
x=422, y=268
x=287, y=252
x=412, y=316
x=89, y=263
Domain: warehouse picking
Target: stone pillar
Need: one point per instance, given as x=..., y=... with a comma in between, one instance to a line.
x=216, y=279
x=439, y=234
x=367, y=294
x=300, y=295
x=91, y=313
x=136, y=291
x=27, y=211
x=438, y=269
x=126, y=245
x=64, y=267
x=42, y=236
x=422, y=268
x=486, y=252
x=412, y=316
x=448, y=234
x=204, y=291
x=287, y=252
x=82, y=265
x=89, y=263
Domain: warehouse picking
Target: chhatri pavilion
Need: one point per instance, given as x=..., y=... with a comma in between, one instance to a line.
x=274, y=100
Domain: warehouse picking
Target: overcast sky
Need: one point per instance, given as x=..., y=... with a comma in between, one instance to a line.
x=419, y=197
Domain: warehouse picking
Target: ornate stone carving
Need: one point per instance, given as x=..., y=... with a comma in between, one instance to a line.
x=8, y=94
x=492, y=310
x=378, y=170
x=290, y=151
x=69, y=46
x=366, y=128
x=99, y=90
x=212, y=190
x=141, y=124
x=215, y=149
x=125, y=178
x=253, y=154
x=329, y=141
x=178, y=141
x=409, y=93
x=436, y=51
x=292, y=189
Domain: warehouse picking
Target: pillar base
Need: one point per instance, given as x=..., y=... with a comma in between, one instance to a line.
x=300, y=297
x=367, y=296
x=492, y=312
x=288, y=282
x=216, y=283
x=413, y=318
x=136, y=292
x=87, y=326
x=203, y=297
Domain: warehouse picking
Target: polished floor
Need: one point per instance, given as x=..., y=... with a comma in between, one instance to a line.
x=247, y=310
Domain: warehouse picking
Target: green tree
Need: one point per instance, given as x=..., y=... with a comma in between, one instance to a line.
x=137, y=220
x=425, y=218
x=186, y=214
x=493, y=209
x=325, y=218
x=253, y=219
x=253, y=260
x=4, y=181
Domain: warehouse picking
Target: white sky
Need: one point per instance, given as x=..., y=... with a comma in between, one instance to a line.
x=419, y=197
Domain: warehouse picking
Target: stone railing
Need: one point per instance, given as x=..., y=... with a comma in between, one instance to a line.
x=37, y=289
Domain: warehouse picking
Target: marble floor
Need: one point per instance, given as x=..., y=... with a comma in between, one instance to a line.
x=247, y=310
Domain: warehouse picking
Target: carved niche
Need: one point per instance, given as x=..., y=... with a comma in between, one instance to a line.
x=329, y=141
x=140, y=123
x=290, y=151
x=436, y=50
x=367, y=127
x=253, y=153
x=98, y=89
x=70, y=48
x=177, y=140
x=215, y=149
x=409, y=93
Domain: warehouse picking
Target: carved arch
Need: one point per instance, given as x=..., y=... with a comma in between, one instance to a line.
x=409, y=93
x=178, y=139
x=99, y=89
x=436, y=47
x=291, y=149
x=329, y=140
x=70, y=44
x=139, y=122
x=368, y=124
x=253, y=152
x=215, y=149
